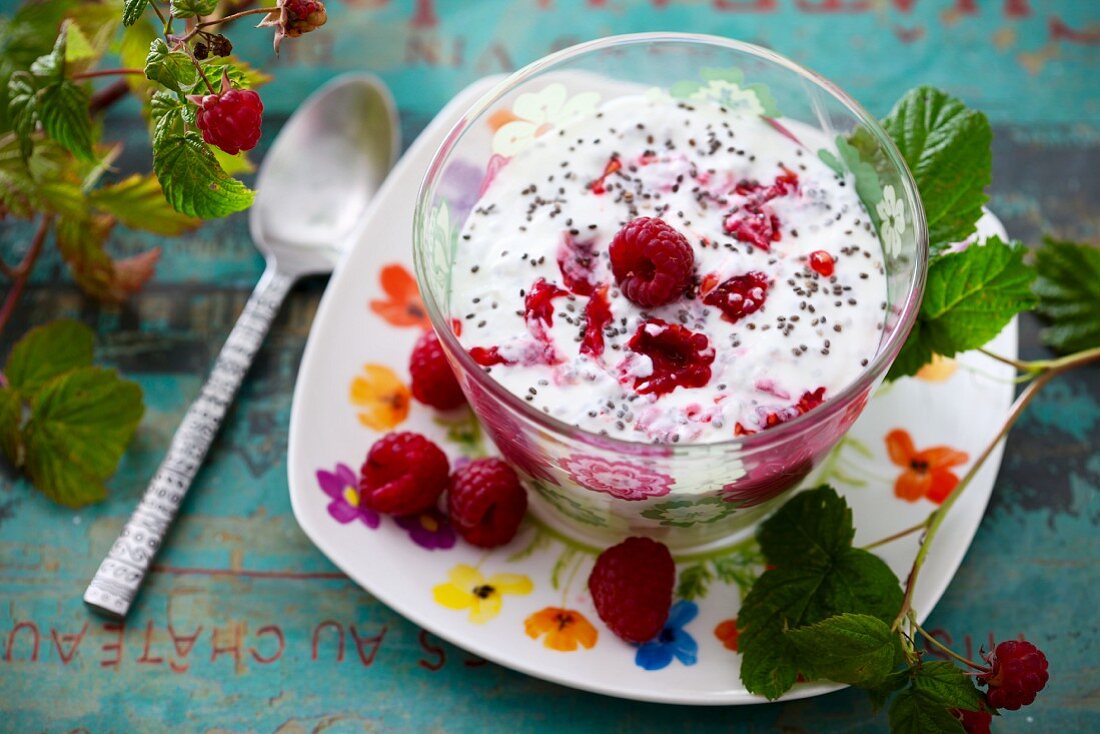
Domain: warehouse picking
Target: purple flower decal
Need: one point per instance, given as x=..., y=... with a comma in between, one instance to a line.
x=429, y=530
x=342, y=486
x=459, y=186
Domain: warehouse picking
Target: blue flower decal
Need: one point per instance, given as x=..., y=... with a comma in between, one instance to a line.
x=673, y=642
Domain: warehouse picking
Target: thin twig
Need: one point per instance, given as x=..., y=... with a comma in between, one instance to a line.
x=898, y=535
x=160, y=14
x=1016, y=363
x=7, y=270
x=23, y=271
x=199, y=26
x=107, y=96
x=947, y=650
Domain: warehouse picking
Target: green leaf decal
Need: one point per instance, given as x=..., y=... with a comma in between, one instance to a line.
x=1069, y=294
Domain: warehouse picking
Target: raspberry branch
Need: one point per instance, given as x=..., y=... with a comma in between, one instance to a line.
x=106, y=72
x=947, y=650
x=218, y=21
x=22, y=271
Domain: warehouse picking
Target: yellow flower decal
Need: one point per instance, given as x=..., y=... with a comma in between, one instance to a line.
x=565, y=629
x=536, y=113
x=466, y=588
x=380, y=395
x=939, y=369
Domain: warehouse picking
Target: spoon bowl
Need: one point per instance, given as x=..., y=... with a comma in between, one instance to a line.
x=322, y=171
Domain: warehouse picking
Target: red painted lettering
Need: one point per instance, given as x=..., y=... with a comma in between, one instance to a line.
x=474, y=662
x=317, y=638
x=1059, y=31
x=119, y=628
x=833, y=6
x=424, y=14
x=1012, y=8
x=422, y=49
x=233, y=649
x=182, y=650
x=270, y=629
x=34, y=636
x=425, y=642
x=73, y=641
x=752, y=6
x=942, y=636
x=361, y=643
x=145, y=658
x=495, y=58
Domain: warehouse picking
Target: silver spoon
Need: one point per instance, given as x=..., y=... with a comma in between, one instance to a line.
x=313, y=187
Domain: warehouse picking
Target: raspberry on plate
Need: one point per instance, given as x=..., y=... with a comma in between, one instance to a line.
x=404, y=473
x=230, y=120
x=679, y=357
x=652, y=262
x=486, y=502
x=1018, y=671
x=739, y=296
x=631, y=586
x=433, y=381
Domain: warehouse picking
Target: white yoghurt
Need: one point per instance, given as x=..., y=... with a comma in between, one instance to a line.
x=681, y=163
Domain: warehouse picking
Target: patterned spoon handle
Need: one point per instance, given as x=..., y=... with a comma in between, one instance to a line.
x=116, y=583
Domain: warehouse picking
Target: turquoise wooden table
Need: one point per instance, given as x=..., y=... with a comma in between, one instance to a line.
x=245, y=627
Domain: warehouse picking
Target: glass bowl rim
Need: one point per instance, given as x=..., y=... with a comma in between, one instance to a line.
x=762, y=440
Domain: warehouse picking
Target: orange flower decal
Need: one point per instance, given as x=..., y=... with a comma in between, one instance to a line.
x=726, y=632
x=402, y=306
x=380, y=395
x=926, y=473
x=564, y=629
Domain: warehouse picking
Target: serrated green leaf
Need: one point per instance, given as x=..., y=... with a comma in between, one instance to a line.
x=173, y=69
x=193, y=8
x=816, y=575
x=193, y=182
x=166, y=113
x=948, y=149
x=80, y=424
x=11, y=417
x=1068, y=288
x=693, y=582
x=63, y=110
x=949, y=686
x=812, y=527
x=138, y=202
x=970, y=296
x=46, y=352
x=242, y=74
x=23, y=109
x=132, y=10
x=913, y=713
x=856, y=649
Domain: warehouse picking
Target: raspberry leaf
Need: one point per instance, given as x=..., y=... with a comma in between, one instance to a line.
x=948, y=149
x=192, y=8
x=63, y=110
x=11, y=418
x=913, y=712
x=969, y=297
x=856, y=649
x=1069, y=294
x=80, y=424
x=132, y=10
x=46, y=352
x=949, y=686
x=173, y=69
x=242, y=74
x=193, y=182
x=881, y=693
x=138, y=202
x=23, y=109
x=814, y=527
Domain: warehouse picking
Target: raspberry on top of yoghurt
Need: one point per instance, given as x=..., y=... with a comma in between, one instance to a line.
x=665, y=271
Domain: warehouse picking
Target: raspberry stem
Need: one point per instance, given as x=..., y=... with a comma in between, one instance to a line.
x=106, y=72
x=947, y=650
x=1046, y=370
x=218, y=21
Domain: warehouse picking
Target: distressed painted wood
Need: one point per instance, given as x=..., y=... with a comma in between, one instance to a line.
x=245, y=627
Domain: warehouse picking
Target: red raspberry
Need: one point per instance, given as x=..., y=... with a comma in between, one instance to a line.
x=597, y=315
x=303, y=16
x=433, y=382
x=631, y=586
x=821, y=263
x=681, y=358
x=577, y=261
x=652, y=262
x=1018, y=671
x=486, y=502
x=974, y=722
x=739, y=296
x=230, y=120
x=404, y=474
x=755, y=224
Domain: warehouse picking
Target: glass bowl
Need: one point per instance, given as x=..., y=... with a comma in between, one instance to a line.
x=683, y=494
